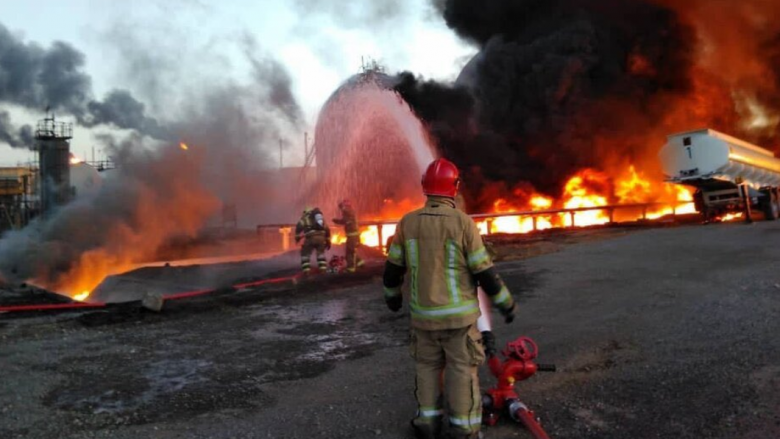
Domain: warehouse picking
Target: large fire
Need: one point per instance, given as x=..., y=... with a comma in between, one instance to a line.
x=583, y=195
x=90, y=271
x=724, y=59
x=370, y=236
x=151, y=201
x=580, y=205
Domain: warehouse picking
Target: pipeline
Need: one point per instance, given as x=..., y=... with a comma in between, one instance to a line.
x=50, y=307
x=177, y=296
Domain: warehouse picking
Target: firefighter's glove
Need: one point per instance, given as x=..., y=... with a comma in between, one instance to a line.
x=509, y=313
x=394, y=303
x=297, y=240
x=489, y=342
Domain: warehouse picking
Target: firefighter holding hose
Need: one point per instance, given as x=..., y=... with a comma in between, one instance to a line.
x=441, y=249
x=315, y=233
x=352, y=230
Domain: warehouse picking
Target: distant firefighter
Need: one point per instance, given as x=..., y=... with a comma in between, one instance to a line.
x=349, y=221
x=315, y=233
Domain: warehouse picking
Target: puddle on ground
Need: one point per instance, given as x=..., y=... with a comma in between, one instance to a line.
x=156, y=379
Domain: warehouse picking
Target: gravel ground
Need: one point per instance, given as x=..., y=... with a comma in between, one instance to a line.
x=665, y=333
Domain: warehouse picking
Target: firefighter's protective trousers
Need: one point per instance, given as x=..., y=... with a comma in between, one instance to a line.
x=314, y=242
x=349, y=221
x=353, y=242
x=462, y=352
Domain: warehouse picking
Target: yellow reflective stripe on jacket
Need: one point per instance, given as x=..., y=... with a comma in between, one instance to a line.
x=353, y=234
x=477, y=258
x=396, y=255
x=413, y=256
x=443, y=312
x=502, y=298
x=392, y=292
x=452, y=271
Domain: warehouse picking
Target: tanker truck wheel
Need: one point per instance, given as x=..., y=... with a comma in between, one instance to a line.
x=698, y=203
x=770, y=205
x=708, y=215
x=777, y=199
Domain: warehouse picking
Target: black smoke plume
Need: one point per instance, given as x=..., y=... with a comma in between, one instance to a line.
x=121, y=109
x=35, y=77
x=550, y=80
x=160, y=193
x=274, y=82
x=16, y=138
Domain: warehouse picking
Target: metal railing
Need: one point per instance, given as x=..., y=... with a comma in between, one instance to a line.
x=285, y=229
x=49, y=129
x=609, y=209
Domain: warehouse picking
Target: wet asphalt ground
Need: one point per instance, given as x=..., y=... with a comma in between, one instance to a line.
x=665, y=333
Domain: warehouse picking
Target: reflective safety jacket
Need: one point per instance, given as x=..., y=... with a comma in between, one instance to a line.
x=312, y=223
x=349, y=221
x=441, y=249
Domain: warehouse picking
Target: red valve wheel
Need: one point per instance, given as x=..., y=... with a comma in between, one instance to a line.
x=523, y=348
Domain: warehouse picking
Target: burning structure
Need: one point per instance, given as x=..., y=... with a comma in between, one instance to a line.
x=160, y=193
x=564, y=107
x=568, y=102
x=563, y=86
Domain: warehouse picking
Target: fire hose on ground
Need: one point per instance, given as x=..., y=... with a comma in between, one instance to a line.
x=177, y=296
x=518, y=365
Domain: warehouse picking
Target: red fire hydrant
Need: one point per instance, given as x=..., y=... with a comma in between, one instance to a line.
x=337, y=264
x=518, y=365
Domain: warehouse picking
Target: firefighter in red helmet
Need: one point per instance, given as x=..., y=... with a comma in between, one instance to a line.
x=351, y=228
x=442, y=250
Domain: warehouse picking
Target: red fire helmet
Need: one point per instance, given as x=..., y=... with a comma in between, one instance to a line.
x=441, y=179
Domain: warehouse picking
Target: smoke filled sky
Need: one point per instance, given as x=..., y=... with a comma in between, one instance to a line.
x=154, y=55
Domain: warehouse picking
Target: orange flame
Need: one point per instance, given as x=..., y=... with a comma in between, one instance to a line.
x=633, y=189
x=587, y=189
x=392, y=210
x=92, y=268
x=177, y=206
x=183, y=146
x=84, y=295
x=540, y=202
x=579, y=192
x=369, y=235
x=731, y=217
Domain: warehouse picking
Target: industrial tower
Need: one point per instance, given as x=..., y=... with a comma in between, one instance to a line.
x=52, y=141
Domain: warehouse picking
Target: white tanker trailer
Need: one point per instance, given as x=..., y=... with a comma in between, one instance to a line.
x=729, y=174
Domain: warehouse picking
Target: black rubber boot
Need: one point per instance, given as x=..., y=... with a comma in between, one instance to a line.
x=461, y=435
x=427, y=431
